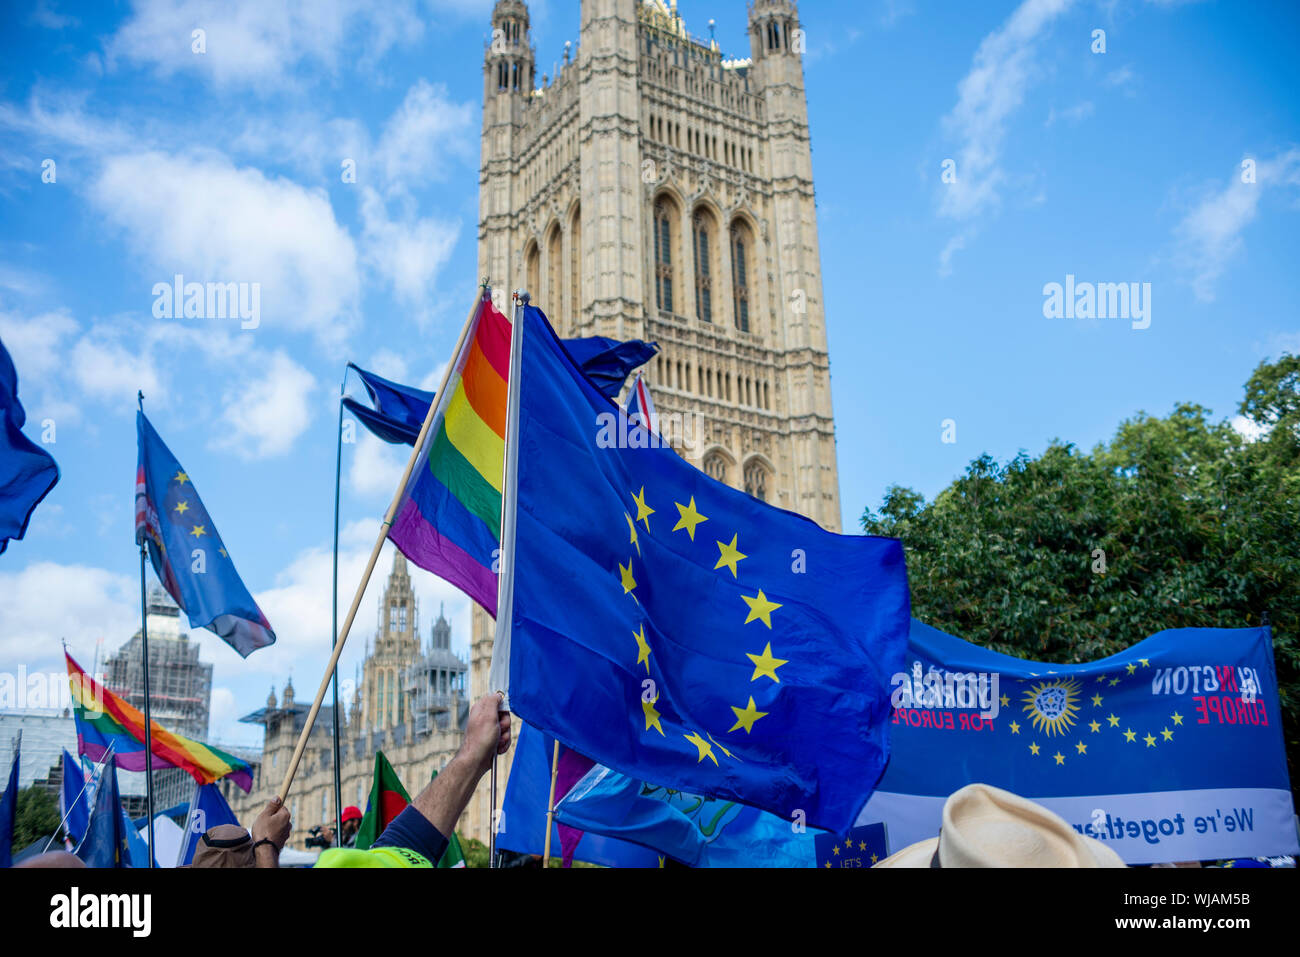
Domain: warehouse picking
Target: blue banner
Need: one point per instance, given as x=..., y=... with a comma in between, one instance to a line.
x=1169, y=751
x=207, y=811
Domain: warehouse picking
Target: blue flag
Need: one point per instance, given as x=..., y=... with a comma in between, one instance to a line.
x=694, y=829
x=1169, y=751
x=680, y=631
x=523, y=813
x=862, y=847
x=608, y=362
x=27, y=472
x=74, y=807
x=108, y=835
x=187, y=553
x=9, y=814
x=207, y=811
x=399, y=410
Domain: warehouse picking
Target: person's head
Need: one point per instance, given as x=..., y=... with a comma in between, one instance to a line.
x=351, y=822
x=226, y=845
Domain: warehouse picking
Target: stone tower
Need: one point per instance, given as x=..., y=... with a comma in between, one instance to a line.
x=396, y=647
x=655, y=189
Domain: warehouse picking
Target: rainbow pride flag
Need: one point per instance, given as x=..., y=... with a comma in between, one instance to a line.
x=103, y=718
x=449, y=518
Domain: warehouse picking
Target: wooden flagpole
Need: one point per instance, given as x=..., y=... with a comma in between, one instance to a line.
x=550, y=804
x=437, y=405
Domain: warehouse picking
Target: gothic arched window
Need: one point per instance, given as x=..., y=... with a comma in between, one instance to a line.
x=740, y=246
x=703, y=281
x=715, y=466
x=663, y=258
x=554, y=279
x=575, y=268
x=756, y=480
x=533, y=269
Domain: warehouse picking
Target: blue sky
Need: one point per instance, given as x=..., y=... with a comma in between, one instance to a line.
x=1115, y=166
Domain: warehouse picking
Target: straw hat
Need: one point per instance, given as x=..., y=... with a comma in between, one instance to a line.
x=985, y=826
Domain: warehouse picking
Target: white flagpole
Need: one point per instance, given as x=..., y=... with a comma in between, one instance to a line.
x=499, y=672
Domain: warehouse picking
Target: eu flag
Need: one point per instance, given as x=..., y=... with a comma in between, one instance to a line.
x=187, y=553
x=678, y=630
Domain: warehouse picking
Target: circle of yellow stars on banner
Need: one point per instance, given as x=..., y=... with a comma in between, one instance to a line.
x=1054, y=706
x=758, y=612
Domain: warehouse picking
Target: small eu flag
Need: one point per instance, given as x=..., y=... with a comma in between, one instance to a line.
x=677, y=630
x=187, y=553
x=861, y=847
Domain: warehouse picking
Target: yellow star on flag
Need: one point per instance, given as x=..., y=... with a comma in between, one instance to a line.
x=730, y=554
x=746, y=716
x=862, y=845
x=1005, y=701
x=1168, y=735
x=199, y=531
x=835, y=850
x=874, y=858
x=651, y=715
x=643, y=511
x=1114, y=721
x=181, y=477
x=760, y=608
x=222, y=550
x=626, y=573
x=1146, y=662
x=1100, y=678
x=827, y=864
x=632, y=529
x=848, y=842
x=1131, y=667
x=1015, y=728
x=1130, y=735
x=1150, y=739
x=689, y=518
x=1033, y=748
x=1081, y=747
x=706, y=749
x=643, y=649
x=1178, y=718
x=182, y=506
x=723, y=749
x=1114, y=682
x=1060, y=758
x=1096, y=701
x=765, y=665
x=1095, y=726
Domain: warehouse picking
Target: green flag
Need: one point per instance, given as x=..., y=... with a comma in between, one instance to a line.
x=387, y=800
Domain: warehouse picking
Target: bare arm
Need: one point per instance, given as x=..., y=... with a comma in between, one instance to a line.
x=487, y=734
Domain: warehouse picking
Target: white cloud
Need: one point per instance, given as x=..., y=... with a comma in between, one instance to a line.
x=47, y=602
x=1071, y=114
x=1210, y=235
x=424, y=135
x=212, y=222
x=265, y=417
x=407, y=253
x=106, y=371
x=36, y=344
x=252, y=43
x=987, y=97
x=375, y=467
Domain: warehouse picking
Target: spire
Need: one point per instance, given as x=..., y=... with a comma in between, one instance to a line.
x=509, y=62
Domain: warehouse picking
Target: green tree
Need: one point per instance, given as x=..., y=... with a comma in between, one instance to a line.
x=36, y=817
x=1175, y=522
